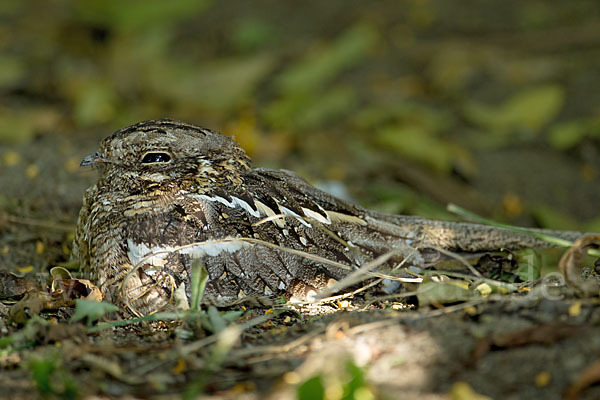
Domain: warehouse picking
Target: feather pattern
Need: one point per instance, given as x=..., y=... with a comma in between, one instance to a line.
x=143, y=223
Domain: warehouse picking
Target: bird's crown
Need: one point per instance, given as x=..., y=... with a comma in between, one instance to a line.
x=162, y=149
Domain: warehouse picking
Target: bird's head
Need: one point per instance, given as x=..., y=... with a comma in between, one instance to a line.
x=160, y=151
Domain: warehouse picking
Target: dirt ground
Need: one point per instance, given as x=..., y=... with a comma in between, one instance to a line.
x=503, y=346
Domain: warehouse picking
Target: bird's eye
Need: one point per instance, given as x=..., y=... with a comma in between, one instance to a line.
x=150, y=158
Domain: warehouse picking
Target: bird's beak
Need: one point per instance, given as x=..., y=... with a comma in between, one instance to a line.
x=92, y=159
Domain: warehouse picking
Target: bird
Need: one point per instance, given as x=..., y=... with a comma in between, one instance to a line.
x=170, y=193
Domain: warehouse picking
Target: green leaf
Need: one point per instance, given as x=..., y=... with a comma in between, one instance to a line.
x=51, y=378
x=198, y=282
x=94, y=102
x=217, y=322
x=534, y=108
x=405, y=112
x=230, y=316
x=142, y=15
x=92, y=310
x=12, y=70
x=566, y=135
x=335, y=102
x=443, y=292
x=528, y=110
x=592, y=225
x=320, y=67
x=356, y=383
x=16, y=127
x=218, y=85
x=417, y=143
x=529, y=264
x=311, y=389
x=309, y=111
x=549, y=217
x=42, y=369
x=570, y=133
x=252, y=34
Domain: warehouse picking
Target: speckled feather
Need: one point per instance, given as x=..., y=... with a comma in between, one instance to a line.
x=200, y=191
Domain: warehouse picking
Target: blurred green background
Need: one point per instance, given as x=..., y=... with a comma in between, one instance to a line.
x=493, y=105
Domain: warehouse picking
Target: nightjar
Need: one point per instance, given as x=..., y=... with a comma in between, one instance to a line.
x=170, y=192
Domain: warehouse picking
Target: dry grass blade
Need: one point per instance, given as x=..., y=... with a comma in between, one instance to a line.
x=360, y=274
x=496, y=283
x=340, y=296
x=457, y=257
x=38, y=223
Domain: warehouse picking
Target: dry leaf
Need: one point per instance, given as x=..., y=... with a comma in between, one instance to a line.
x=34, y=302
x=571, y=262
x=77, y=289
x=64, y=293
x=590, y=376
x=13, y=286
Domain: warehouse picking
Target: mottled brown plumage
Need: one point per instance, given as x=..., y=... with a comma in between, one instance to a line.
x=171, y=192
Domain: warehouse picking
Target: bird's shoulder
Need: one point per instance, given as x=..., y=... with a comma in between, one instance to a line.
x=279, y=188
x=271, y=205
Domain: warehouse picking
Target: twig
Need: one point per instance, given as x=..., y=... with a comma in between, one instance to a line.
x=357, y=276
x=457, y=257
x=508, y=286
x=338, y=297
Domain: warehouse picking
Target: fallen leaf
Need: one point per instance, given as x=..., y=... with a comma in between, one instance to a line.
x=567, y=134
x=463, y=391
x=13, y=286
x=33, y=303
x=484, y=289
x=543, y=379
x=77, y=289
x=542, y=334
x=91, y=310
x=60, y=273
x=180, y=367
x=26, y=269
x=443, y=293
x=571, y=263
x=530, y=109
x=320, y=67
x=589, y=376
x=12, y=158
x=575, y=309
x=219, y=85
